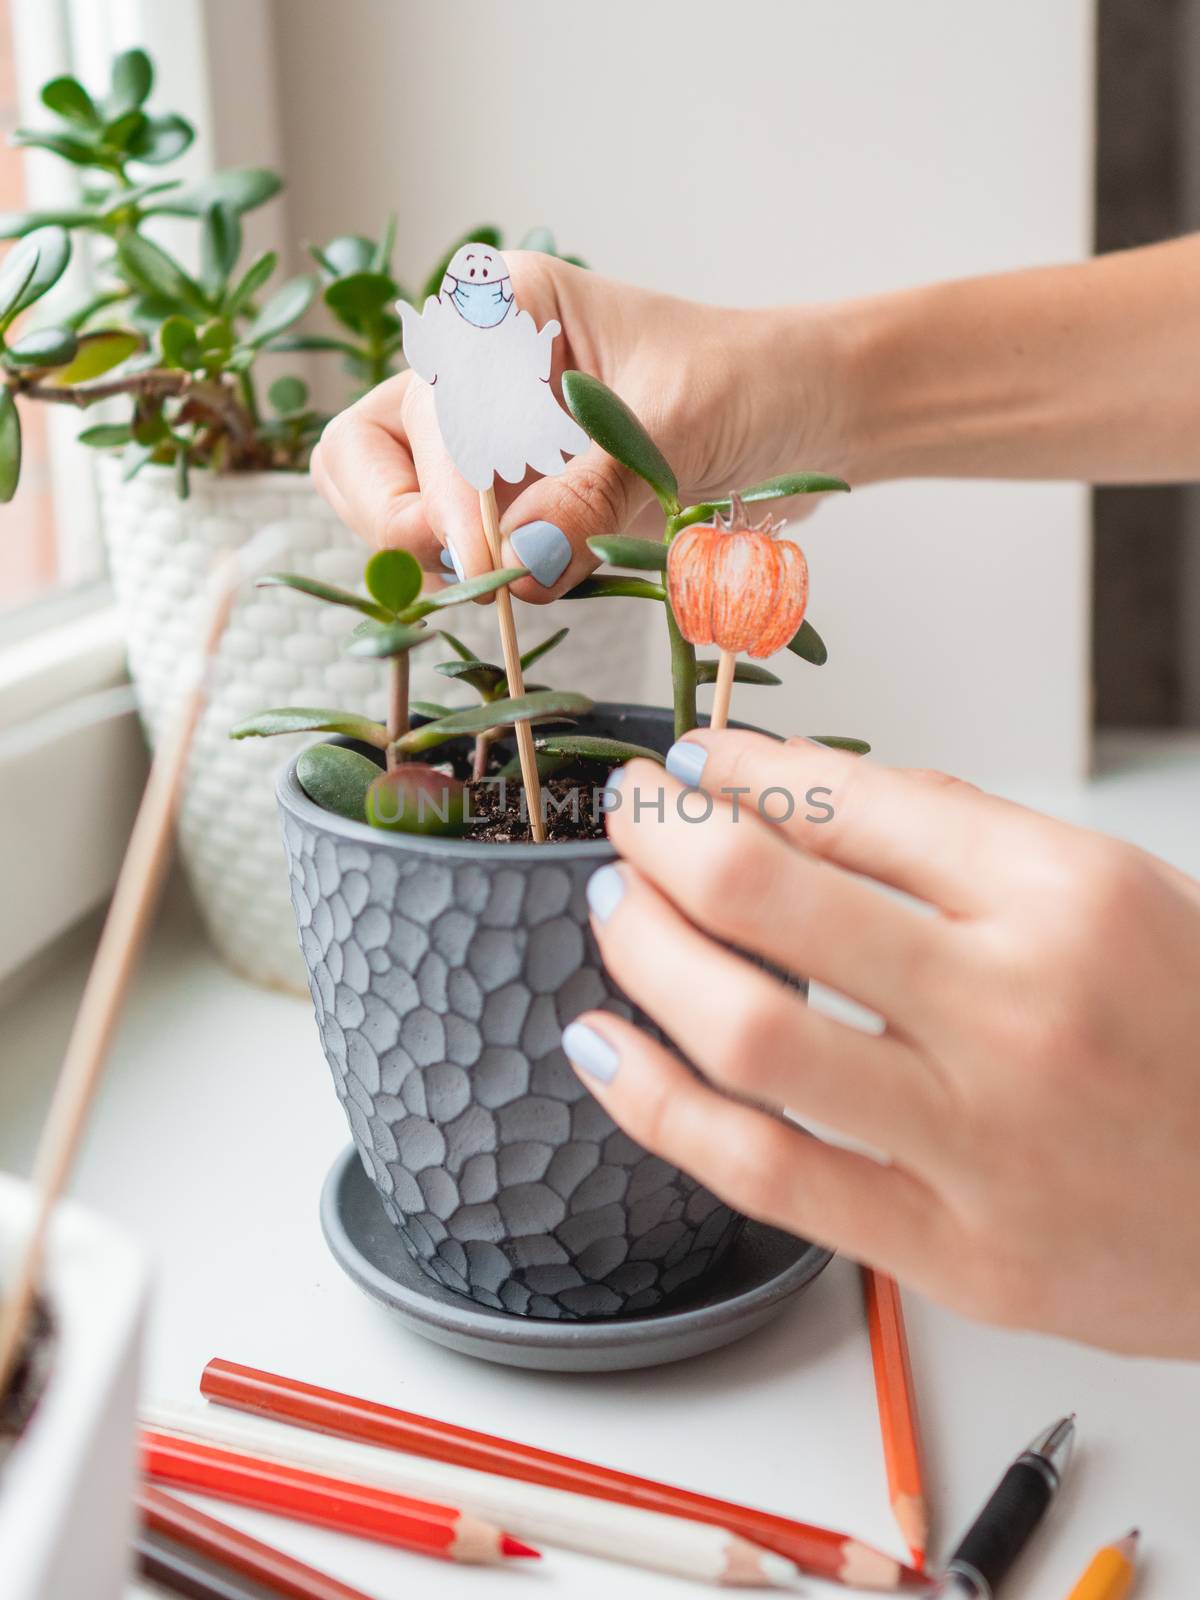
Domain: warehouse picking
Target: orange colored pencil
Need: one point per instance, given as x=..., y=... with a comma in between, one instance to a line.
x=1111, y=1573
x=898, y=1422
x=355, y=1508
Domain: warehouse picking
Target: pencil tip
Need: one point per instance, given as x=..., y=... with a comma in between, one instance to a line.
x=513, y=1547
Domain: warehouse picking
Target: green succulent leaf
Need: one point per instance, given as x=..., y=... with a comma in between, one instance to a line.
x=743, y=672
x=132, y=81
x=837, y=741
x=220, y=245
x=304, y=719
x=149, y=268
x=120, y=133
x=543, y=649
x=78, y=151
x=161, y=139
x=243, y=188
x=644, y=555
x=808, y=644
x=381, y=256
x=358, y=300
x=483, y=676
x=251, y=281
x=10, y=446
x=124, y=199
x=500, y=713
x=394, y=578
x=16, y=224
x=288, y=396
x=781, y=488
x=68, y=99
x=31, y=269
x=616, y=588
x=322, y=591
x=287, y=305
x=98, y=353
x=106, y=435
x=428, y=708
x=454, y=594
x=606, y=418
x=45, y=347
x=337, y=779
x=349, y=253
x=388, y=638
x=539, y=239
x=464, y=652
x=588, y=747
x=486, y=233
x=178, y=342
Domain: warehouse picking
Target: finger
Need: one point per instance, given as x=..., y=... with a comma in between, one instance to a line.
x=364, y=467
x=450, y=505
x=751, y=1034
x=750, y=1159
x=548, y=525
x=741, y=879
x=944, y=843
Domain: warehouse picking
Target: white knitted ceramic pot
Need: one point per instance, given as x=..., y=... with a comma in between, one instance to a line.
x=282, y=648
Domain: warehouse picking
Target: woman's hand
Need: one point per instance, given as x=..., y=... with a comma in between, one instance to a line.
x=1034, y=1095
x=729, y=396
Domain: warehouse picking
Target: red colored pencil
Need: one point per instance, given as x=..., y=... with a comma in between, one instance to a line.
x=329, y=1502
x=897, y=1402
x=819, y=1551
x=282, y=1574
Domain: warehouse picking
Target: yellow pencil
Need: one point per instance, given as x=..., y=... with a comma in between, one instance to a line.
x=1111, y=1574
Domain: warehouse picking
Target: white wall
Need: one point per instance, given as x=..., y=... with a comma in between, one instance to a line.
x=766, y=151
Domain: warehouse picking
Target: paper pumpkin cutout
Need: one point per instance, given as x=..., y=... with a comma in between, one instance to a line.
x=489, y=366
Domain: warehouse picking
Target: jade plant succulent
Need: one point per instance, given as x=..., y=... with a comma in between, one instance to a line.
x=409, y=794
x=180, y=349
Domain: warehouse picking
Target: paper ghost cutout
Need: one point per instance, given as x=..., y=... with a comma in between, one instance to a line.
x=489, y=366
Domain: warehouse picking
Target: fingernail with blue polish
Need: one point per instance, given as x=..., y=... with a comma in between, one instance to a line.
x=447, y=559
x=685, y=761
x=454, y=562
x=544, y=549
x=585, y=1047
x=605, y=888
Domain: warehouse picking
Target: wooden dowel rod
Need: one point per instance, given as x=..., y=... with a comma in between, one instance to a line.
x=141, y=875
x=726, y=664
x=490, y=513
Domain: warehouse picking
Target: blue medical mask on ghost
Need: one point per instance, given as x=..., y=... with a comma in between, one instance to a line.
x=482, y=304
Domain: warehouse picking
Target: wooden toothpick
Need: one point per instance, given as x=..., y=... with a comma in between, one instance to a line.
x=124, y=932
x=726, y=665
x=512, y=666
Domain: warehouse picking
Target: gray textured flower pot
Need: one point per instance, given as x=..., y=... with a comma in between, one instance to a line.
x=443, y=972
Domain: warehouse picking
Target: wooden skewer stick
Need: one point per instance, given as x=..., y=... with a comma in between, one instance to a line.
x=726, y=664
x=512, y=666
x=125, y=927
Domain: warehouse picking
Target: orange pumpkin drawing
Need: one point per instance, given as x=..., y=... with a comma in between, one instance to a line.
x=737, y=586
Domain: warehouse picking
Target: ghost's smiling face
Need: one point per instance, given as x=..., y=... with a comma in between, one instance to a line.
x=478, y=284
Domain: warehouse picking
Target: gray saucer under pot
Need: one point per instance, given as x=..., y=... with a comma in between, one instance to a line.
x=443, y=972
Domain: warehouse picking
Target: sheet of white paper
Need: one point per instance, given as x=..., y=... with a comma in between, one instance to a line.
x=489, y=365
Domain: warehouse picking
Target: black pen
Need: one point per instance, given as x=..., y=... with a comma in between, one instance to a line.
x=1006, y=1524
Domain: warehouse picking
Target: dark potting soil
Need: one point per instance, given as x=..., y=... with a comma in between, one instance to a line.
x=29, y=1380
x=571, y=806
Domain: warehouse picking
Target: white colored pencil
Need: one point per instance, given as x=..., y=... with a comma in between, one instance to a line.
x=602, y=1528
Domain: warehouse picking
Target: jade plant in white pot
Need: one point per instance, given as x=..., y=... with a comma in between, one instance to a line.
x=446, y=951
x=200, y=453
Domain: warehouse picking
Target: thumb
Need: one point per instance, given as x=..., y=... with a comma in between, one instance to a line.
x=548, y=525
